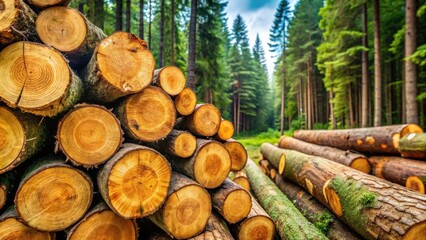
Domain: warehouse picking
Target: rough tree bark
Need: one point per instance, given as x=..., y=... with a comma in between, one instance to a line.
x=192, y=41
x=410, y=67
x=377, y=68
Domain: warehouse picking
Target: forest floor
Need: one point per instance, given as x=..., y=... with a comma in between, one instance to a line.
x=252, y=142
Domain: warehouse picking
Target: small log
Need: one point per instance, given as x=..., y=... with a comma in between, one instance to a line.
x=7, y=185
x=231, y=201
x=378, y=140
x=241, y=179
x=186, y=210
x=209, y=166
x=185, y=102
x=413, y=145
x=204, y=121
x=170, y=79
x=348, y=158
x=274, y=155
x=264, y=164
x=22, y=135
x=37, y=79
x=41, y=4
x=121, y=65
x=147, y=116
x=238, y=154
x=67, y=30
x=102, y=223
x=215, y=229
x=178, y=143
x=53, y=195
x=226, y=130
x=89, y=135
x=405, y=172
x=134, y=181
x=291, y=224
x=12, y=228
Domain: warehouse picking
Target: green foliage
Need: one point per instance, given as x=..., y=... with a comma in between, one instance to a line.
x=324, y=221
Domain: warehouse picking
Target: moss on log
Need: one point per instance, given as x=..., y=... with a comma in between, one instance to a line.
x=413, y=145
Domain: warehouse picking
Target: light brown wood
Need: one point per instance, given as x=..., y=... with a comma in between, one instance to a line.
x=215, y=229
x=241, y=179
x=413, y=145
x=204, y=121
x=40, y=4
x=416, y=183
x=238, y=154
x=178, y=143
x=185, y=102
x=226, y=130
x=170, y=79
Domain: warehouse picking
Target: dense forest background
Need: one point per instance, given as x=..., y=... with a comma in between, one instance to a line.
x=339, y=63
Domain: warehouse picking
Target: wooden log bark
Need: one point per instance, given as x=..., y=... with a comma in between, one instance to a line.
x=17, y=22
x=315, y=212
x=22, y=135
x=186, y=210
x=204, y=121
x=215, y=229
x=348, y=158
x=226, y=130
x=12, y=228
x=147, y=116
x=231, y=201
x=266, y=166
x=53, y=195
x=185, y=102
x=405, y=172
x=41, y=4
x=291, y=224
x=241, y=179
x=170, y=79
x=177, y=143
x=70, y=32
x=102, y=223
x=7, y=187
x=383, y=139
x=121, y=65
x=238, y=154
x=89, y=135
x=134, y=181
x=413, y=145
x=37, y=79
x=274, y=156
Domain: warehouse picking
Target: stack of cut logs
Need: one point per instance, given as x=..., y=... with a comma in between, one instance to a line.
x=93, y=138
x=325, y=173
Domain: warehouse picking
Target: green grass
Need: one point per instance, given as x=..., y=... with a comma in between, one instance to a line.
x=252, y=142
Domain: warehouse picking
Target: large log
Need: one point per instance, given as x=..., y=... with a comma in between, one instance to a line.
x=291, y=224
x=17, y=22
x=226, y=130
x=413, y=145
x=89, y=135
x=238, y=154
x=209, y=166
x=121, y=65
x=274, y=155
x=37, y=79
x=52, y=195
x=41, y=4
x=177, y=143
x=406, y=172
x=170, y=79
x=383, y=139
x=241, y=179
x=204, y=121
x=70, y=32
x=185, y=102
x=186, y=210
x=102, y=223
x=22, y=135
x=147, y=116
x=134, y=181
x=231, y=201
x=348, y=158
x=215, y=229
x=12, y=228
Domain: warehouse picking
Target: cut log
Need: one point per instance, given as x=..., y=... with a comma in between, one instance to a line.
x=400, y=170
x=134, y=181
x=89, y=135
x=289, y=221
x=12, y=228
x=226, y=130
x=274, y=156
x=177, y=143
x=383, y=139
x=241, y=179
x=102, y=223
x=264, y=164
x=121, y=65
x=348, y=158
x=21, y=137
x=215, y=229
x=204, y=121
x=37, y=79
x=17, y=22
x=41, y=4
x=231, y=201
x=257, y=225
x=314, y=211
x=70, y=32
x=209, y=166
x=185, y=102
x=238, y=154
x=186, y=210
x=52, y=195
x=147, y=116
x=7, y=185
x=413, y=146
x=170, y=79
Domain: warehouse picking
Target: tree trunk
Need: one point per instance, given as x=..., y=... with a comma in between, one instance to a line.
x=289, y=221
x=99, y=11
x=161, y=50
x=170, y=79
x=351, y=111
x=377, y=68
x=204, y=121
x=240, y=178
x=60, y=192
x=413, y=146
x=350, y=159
x=89, y=135
x=177, y=143
x=102, y=223
x=42, y=4
x=282, y=105
x=231, y=201
x=118, y=69
x=119, y=15
x=192, y=43
x=209, y=166
x=332, y=116
x=63, y=28
x=383, y=139
x=410, y=67
x=226, y=130
x=141, y=18
x=309, y=95
x=37, y=79
x=238, y=154
x=172, y=35
x=128, y=16
x=134, y=181
x=215, y=229
x=185, y=102
x=186, y=210
x=150, y=25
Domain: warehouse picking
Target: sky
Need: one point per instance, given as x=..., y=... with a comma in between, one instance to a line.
x=258, y=16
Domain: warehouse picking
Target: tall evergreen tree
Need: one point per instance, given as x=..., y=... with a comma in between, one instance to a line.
x=377, y=67
x=410, y=67
x=119, y=15
x=191, y=80
x=141, y=18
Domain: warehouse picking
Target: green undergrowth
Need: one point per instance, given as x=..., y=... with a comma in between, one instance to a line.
x=252, y=142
